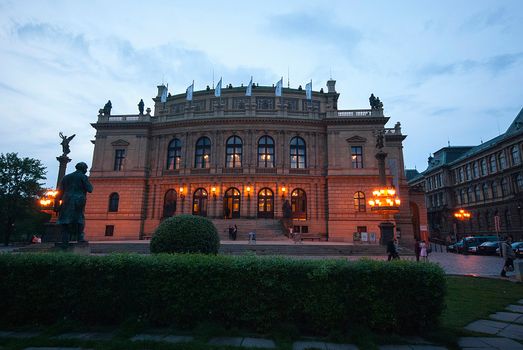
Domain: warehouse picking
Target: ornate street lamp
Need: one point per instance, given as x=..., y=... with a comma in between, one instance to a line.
x=462, y=215
x=47, y=202
x=385, y=201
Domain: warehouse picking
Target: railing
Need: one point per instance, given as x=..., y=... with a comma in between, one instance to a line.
x=201, y=171
x=124, y=118
x=358, y=113
x=266, y=170
x=232, y=171
x=299, y=171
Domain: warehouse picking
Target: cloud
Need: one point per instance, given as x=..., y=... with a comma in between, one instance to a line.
x=443, y=111
x=485, y=19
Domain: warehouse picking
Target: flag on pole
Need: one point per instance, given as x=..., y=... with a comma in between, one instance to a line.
x=189, y=91
x=248, y=92
x=308, y=90
x=218, y=89
x=163, y=97
x=279, y=86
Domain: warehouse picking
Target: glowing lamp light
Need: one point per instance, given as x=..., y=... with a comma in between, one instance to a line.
x=384, y=201
x=283, y=190
x=48, y=199
x=182, y=195
x=462, y=214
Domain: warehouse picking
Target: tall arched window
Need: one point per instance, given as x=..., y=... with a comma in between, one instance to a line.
x=299, y=204
x=265, y=203
x=114, y=200
x=199, y=202
x=169, y=203
x=502, y=160
x=174, y=154
x=470, y=195
x=516, y=157
x=477, y=192
x=202, y=156
x=494, y=189
x=231, y=203
x=483, y=167
x=298, y=153
x=493, y=165
x=486, y=193
x=467, y=172
x=519, y=182
x=234, y=152
x=359, y=201
x=504, y=187
x=266, y=152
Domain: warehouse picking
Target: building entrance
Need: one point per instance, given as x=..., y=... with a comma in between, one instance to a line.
x=231, y=204
x=265, y=204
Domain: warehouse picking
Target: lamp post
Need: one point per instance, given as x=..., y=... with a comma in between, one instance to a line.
x=461, y=215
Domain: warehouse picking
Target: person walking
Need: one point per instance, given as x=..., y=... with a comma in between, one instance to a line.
x=508, y=255
x=423, y=251
x=234, y=232
x=231, y=230
x=417, y=249
x=392, y=250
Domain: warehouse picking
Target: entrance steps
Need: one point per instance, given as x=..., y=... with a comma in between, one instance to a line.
x=266, y=229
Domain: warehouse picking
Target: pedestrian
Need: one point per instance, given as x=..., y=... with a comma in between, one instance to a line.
x=252, y=237
x=417, y=249
x=423, y=251
x=509, y=255
x=234, y=232
x=392, y=250
x=231, y=230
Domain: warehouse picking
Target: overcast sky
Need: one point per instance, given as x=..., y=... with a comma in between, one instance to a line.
x=447, y=70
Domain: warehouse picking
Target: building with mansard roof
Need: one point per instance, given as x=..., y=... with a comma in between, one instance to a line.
x=241, y=160
x=486, y=180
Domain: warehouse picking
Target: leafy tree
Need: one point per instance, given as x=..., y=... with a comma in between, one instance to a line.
x=19, y=189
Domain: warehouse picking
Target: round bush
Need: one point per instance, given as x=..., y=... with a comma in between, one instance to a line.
x=186, y=234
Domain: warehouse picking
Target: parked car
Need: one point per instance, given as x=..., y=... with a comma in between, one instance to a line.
x=517, y=247
x=488, y=248
x=468, y=242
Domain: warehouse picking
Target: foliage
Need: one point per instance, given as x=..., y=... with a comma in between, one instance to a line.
x=183, y=290
x=19, y=189
x=186, y=234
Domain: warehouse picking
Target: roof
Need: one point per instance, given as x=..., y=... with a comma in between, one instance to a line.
x=412, y=174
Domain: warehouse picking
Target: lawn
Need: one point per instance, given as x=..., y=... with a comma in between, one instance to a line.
x=468, y=299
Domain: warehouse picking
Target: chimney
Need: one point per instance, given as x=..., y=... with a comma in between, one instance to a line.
x=331, y=86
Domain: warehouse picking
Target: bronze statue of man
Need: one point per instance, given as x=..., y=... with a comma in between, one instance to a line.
x=72, y=194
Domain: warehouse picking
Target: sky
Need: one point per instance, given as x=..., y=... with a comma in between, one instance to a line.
x=450, y=71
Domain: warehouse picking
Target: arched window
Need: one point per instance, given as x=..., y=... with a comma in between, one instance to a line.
x=359, y=201
x=298, y=153
x=519, y=182
x=299, y=204
x=493, y=165
x=199, y=202
x=265, y=203
x=231, y=203
x=494, y=189
x=504, y=187
x=114, y=200
x=502, y=160
x=169, y=203
x=234, y=152
x=461, y=178
x=463, y=195
x=516, y=157
x=470, y=195
x=202, y=156
x=486, y=193
x=174, y=154
x=483, y=167
x=467, y=171
x=266, y=152
x=475, y=169
x=477, y=192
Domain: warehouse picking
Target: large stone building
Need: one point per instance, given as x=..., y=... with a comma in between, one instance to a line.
x=238, y=158
x=486, y=180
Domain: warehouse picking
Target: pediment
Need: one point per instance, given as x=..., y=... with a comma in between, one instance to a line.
x=356, y=138
x=120, y=142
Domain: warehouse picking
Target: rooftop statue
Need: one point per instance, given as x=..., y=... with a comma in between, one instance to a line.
x=375, y=102
x=107, y=108
x=141, y=105
x=65, y=143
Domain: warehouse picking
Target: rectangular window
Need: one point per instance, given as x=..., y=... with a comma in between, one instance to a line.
x=296, y=229
x=119, y=157
x=109, y=230
x=305, y=229
x=357, y=156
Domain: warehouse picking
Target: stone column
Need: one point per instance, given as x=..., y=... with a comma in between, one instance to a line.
x=63, y=160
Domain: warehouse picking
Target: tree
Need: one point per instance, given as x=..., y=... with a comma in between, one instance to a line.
x=19, y=189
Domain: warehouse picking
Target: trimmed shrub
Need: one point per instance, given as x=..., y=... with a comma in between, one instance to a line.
x=248, y=292
x=186, y=234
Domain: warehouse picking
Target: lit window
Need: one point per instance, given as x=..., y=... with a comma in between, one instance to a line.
x=298, y=153
x=234, y=152
x=202, y=153
x=174, y=154
x=357, y=156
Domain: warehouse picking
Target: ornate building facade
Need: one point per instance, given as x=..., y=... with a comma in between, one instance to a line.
x=238, y=157
x=486, y=180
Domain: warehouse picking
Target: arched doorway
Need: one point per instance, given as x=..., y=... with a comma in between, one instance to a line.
x=299, y=204
x=231, y=203
x=265, y=204
x=169, y=203
x=199, y=202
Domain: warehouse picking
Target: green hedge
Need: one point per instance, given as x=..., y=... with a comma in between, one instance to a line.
x=186, y=234
x=247, y=292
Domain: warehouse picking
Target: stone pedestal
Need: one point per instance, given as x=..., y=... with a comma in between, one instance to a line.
x=52, y=233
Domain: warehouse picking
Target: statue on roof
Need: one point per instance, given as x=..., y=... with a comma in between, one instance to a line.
x=141, y=105
x=107, y=108
x=375, y=102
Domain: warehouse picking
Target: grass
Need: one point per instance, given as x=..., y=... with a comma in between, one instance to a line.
x=468, y=299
